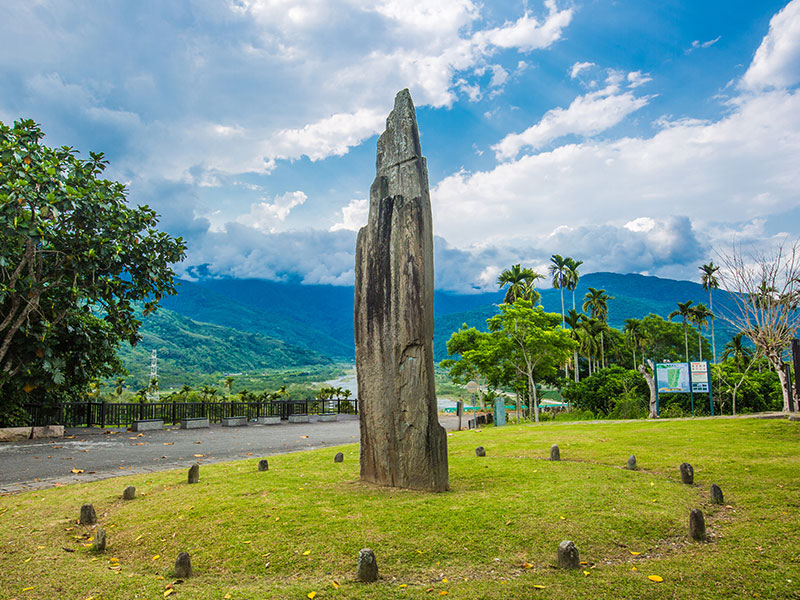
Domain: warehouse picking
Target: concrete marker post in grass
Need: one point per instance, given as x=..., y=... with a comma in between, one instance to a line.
x=716, y=494
x=631, y=466
x=99, y=542
x=568, y=556
x=194, y=473
x=687, y=473
x=697, y=525
x=480, y=451
x=129, y=493
x=555, y=453
x=183, y=566
x=88, y=516
x=263, y=465
x=367, y=566
x=338, y=458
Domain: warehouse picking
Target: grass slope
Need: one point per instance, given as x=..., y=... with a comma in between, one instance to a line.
x=186, y=347
x=297, y=528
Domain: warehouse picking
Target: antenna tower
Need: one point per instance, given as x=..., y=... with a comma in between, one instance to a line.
x=152, y=389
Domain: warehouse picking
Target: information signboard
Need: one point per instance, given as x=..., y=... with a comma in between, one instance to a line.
x=672, y=377
x=699, y=376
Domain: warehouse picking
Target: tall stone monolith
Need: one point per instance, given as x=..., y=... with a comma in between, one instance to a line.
x=402, y=443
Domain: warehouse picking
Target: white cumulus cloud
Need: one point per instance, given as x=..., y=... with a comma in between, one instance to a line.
x=777, y=60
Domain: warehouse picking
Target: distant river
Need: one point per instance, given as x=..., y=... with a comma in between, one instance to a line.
x=348, y=381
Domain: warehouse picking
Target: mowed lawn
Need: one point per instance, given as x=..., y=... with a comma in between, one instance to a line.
x=295, y=530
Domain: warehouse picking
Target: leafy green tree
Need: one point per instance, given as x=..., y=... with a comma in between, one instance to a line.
x=633, y=330
x=663, y=340
x=701, y=316
x=615, y=392
x=685, y=311
x=229, y=384
x=532, y=341
x=710, y=283
x=521, y=284
x=74, y=255
x=737, y=350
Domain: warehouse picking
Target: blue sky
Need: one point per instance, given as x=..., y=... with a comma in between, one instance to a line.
x=636, y=136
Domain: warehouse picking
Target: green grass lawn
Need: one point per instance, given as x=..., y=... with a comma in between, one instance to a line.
x=296, y=529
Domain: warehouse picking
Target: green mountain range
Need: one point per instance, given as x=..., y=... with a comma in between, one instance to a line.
x=245, y=325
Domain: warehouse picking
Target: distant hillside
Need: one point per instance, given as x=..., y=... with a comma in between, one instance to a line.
x=319, y=318
x=187, y=347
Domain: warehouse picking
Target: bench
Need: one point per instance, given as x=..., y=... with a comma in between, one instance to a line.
x=147, y=425
x=325, y=417
x=299, y=419
x=194, y=423
x=234, y=421
x=276, y=420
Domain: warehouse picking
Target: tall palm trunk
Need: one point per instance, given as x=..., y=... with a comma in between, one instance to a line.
x=713, y=342
x=700, y=342
x=577, y=367
x=686, y=340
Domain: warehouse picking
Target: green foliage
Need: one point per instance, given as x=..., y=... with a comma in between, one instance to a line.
x=615, y=392
x=72, y=251
x=755, y=390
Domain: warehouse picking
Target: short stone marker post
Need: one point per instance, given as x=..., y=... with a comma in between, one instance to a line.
x=631, y=466
x=129, y=493
x=99, y=543
x=697, y=525
x=194, y=473
x=88, y=516
x=555, y=453
x=367, y=567
x=687, y=473
x=568, y=557
x=716, y=494
x=339, y=457
x=263, y=465
x=183, y=566
x=480, y=451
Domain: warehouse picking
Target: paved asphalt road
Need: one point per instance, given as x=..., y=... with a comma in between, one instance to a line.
x=35, y=464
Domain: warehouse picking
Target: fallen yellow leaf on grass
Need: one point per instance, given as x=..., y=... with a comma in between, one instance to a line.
x=587, y=573
x=634, y=553
x=247, y=542
x=168, y=592
x=156, y=557
x=403, y=585
x=335, y=584
x=27, y=589
x=655, y=578
x=538, y=587
x=307, y=552
x=311, y=595
x=227, y=596
x=527, y=565
x=444, y=593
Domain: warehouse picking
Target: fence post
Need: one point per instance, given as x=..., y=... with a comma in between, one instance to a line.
x=103, y=415
x=88, y=414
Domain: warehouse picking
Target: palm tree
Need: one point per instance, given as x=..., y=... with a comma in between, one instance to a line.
x=595, y=302
x=229, y=384
x=701, y=316
x=685, y=311
x=633, y=327
x=520, y=283
x=574, y=276
x=710, y=283
x=560, y=273
x=737, y=350
x=119, y=387
x=185, y=392
x=591, y=328
x=573, y=319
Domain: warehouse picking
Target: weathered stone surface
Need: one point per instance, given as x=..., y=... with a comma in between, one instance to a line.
x=129, y=493
x=339, y=457
x=480, y=451
x=568, y=557
x=194, y=473
x=697, y=525
x=367, y=566
x=402, y=443
x=17, y=434
x=555, y=453
x=631, y=463
x=687, y=473
x=88, y=516
x=263, y=465
x=99, y=542
x=183, y=566
x=716, y=494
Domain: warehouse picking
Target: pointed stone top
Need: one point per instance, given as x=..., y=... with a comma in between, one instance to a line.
x=400, y=142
